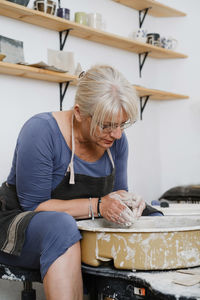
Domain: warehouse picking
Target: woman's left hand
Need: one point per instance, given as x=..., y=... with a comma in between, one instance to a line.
x=135, y=202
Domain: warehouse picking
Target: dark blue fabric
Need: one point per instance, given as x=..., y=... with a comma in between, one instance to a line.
x=48, y=236
x=42, y=156
x=156, y=214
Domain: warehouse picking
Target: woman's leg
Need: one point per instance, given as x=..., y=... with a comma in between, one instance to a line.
x=63, y=279
x=52, y=244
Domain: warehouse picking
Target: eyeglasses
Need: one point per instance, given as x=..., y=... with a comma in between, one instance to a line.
x=110, y=127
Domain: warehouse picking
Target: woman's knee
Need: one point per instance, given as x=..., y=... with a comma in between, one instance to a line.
x=60, y=223
x=60, y=236
x=47, y=227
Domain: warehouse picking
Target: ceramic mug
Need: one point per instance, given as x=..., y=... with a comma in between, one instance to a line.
x=63, y=13
x=169, y=43
x=140, y=35
x=81, y=18
x=62, y=60
x=154, y=39
x=48, y=6
x=95, y=20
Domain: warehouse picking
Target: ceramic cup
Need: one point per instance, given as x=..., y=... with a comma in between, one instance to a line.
x=54, y=7
x=154, y=39
x=169, y=43
x=63, y=13
x=47, y=6
x=81, y=18
x=95, y=20
x=62, y=60
x=140, y=35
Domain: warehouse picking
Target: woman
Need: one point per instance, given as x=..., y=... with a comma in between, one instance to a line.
x=78, y=155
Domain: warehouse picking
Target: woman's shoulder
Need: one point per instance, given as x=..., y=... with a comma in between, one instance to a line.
x=40, y=118
x=39, y=123
x=40, y=128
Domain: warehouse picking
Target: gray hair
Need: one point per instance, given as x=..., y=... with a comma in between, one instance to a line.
x=103, y=92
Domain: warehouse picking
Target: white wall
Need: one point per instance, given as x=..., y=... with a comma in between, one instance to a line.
x=180, y=120
x=165, y=146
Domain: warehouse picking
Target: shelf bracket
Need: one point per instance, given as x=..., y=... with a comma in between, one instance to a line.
x=63, y=92
x=142, y=15
x=142, y=61
x=63, y=40
x=142, y=105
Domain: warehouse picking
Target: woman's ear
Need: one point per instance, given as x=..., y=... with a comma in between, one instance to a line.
x=77, y=113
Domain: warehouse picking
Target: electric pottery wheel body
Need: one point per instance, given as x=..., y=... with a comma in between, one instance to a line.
x=151, y=243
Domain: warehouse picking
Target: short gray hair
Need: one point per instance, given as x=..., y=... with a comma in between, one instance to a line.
x=103, y=92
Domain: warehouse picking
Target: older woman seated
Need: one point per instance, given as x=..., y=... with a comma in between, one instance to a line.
x=69, y=165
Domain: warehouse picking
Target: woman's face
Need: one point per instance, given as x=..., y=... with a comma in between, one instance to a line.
x=105, y=136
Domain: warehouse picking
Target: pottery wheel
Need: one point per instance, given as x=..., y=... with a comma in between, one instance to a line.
x=151, y=243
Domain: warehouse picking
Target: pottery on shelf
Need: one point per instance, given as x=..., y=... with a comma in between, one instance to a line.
x=21, y=2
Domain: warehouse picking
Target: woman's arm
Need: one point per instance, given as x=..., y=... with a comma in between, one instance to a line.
x=78, y=208
x=33, y=163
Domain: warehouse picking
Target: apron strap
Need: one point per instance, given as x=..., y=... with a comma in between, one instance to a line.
x=71, y=164
x=110, y=156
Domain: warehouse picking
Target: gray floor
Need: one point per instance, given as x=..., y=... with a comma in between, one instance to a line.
x=11, y=290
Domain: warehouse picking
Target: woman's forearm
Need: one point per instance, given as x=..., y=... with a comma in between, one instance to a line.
x=78, y=208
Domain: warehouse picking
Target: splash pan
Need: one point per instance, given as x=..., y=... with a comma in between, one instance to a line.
x=151, y=243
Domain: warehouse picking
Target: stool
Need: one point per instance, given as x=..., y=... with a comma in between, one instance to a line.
x=26, y=276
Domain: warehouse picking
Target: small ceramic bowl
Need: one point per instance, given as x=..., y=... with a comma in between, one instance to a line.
x=2, y=56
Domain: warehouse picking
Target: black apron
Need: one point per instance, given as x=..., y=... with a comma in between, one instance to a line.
x=14, y=221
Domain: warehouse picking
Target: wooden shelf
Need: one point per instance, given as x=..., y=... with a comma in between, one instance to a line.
x=157, y=9
x=35, y=73
x=52, y=76
x=34, y=17
x=157, y=94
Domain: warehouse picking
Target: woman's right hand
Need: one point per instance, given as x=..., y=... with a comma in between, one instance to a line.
x=114, y=210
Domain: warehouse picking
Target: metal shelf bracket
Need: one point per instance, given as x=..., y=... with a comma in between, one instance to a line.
x=142, y=15
x=142, y=105
x=63, y=39
x=142, y=61
x=62, y=44
x=63, y=91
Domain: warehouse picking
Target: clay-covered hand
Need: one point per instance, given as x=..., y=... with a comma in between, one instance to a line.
x=115, y=210
x=135, y=202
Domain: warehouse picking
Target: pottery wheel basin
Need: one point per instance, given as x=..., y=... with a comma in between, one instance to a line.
x=151, y=243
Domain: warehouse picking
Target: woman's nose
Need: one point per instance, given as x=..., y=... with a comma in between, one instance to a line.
x=116, y=133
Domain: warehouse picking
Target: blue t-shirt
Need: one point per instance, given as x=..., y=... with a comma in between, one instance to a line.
x=42, y=157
